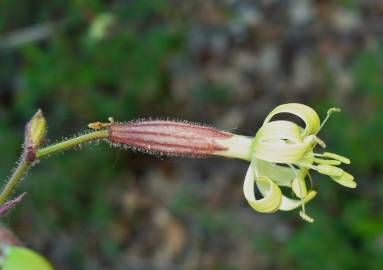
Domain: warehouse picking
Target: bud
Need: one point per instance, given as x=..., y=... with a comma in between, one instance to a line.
x=34, y=135
x=35, y=130
x=169, y=138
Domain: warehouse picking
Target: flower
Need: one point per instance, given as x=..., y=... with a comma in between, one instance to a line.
x=281, y=154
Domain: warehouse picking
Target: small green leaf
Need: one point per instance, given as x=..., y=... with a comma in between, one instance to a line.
x=19, y=258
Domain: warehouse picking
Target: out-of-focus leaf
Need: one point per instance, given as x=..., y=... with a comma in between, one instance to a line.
x=19, y=258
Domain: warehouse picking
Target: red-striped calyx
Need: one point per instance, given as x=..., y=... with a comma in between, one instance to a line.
x=169, y=137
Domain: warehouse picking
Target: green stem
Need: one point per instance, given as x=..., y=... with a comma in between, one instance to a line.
x=17, y=175
x=24, y=164
x=100, y=134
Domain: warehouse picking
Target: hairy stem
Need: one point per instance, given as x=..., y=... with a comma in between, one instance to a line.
x=17, y=175
x=25, y=164
x=64, y=145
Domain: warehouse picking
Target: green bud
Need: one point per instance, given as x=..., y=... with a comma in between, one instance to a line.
x=35, y=130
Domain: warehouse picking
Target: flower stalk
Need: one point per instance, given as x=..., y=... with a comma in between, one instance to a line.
x=71, y=143
x=12, y=182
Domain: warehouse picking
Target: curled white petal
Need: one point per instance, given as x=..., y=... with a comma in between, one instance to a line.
x=288, y=204
x=279, y=130
x=279, y=151
x=307, y=114
x=271, y=192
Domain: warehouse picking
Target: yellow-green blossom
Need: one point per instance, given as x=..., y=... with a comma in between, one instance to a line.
x=282, y=156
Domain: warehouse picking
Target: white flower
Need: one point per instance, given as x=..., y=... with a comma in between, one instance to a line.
x=281, y=155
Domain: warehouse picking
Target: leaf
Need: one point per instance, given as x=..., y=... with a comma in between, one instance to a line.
x=20, y=258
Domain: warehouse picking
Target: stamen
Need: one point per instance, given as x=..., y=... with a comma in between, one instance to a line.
x=327, y=161
x=345, y=179
x=329, y=113
x=311, y=181
x=306, y=164
x=330, y=170
x=302, y=213
x=320, y=142
x=306, y=217
x=337, y=157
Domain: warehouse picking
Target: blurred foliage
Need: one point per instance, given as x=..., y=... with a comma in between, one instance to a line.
x=75, y=212
x=356, y=229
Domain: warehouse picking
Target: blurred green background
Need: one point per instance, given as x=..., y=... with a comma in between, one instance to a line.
x=224, y=63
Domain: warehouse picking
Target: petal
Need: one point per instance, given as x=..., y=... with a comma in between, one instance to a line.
x=283, y=176
x=307, y=114
x=279, y=151
x=272, y=193
x=280, y=130
x=288, y=204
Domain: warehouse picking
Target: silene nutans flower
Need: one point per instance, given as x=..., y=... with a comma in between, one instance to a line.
x=281, y=154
